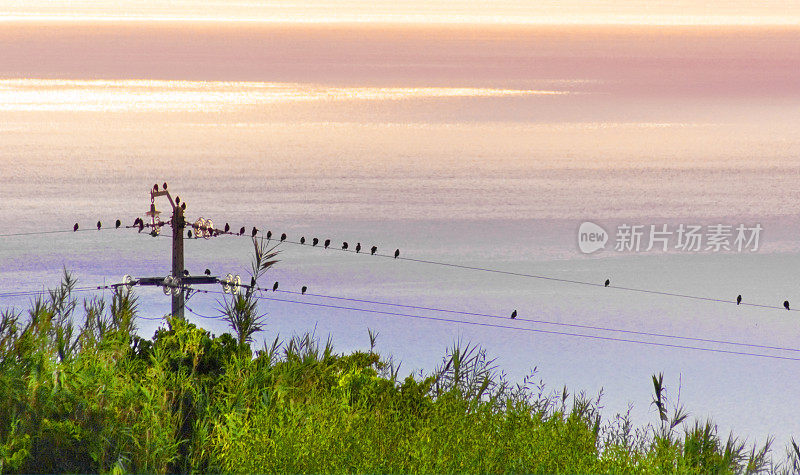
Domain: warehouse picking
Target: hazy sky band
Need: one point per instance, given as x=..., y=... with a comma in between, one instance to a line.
x=674, y=12
x=740, y=61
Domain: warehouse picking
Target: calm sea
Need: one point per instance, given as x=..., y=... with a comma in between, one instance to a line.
x=482, y=147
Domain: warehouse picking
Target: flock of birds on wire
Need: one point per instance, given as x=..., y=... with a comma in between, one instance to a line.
x=139, y=223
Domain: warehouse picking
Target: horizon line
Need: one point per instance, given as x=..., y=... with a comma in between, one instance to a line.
x=422, y=20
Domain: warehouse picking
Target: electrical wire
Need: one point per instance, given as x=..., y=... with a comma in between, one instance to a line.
x=535, y=330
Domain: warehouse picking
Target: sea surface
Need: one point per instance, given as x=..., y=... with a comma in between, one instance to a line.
x=483, y=147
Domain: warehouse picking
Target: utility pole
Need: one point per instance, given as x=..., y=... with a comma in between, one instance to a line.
x=178, y=224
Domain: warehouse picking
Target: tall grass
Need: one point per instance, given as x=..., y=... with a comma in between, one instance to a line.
x=98, y=398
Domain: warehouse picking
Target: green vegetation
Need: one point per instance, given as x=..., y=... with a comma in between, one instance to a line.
x=97, y=398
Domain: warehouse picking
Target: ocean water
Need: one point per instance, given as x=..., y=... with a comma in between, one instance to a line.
x=477, y=147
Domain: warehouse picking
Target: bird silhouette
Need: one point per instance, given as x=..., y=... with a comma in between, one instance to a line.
x=117, y=224
x=185, y=272
x=99, y=225
x=254, y=232
x=164, y=186
x=738, y=299
x=396, y=253
x=183, y=206
x=786, y=304
x=283, y=237
x=241, y=231
x=155, y=187
x=315, y=242
x=374, y=250
x=344, y=246
x=327, y=243
x=227, y=227
x=303, y=290
x=275, y=286
x=303, y=240
x=608, y=282
x=189, y=234
x=141, y=225
x=513, y=315
x=135, y=222
x=358, y=247
x=269, y=235
x=208, y=272
x=75, y=228
x=177, y=200
x=252, y=281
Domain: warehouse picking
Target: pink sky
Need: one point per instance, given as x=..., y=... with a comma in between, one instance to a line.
x=784, y=12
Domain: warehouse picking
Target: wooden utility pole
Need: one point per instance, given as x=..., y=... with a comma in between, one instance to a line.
x=178, y=224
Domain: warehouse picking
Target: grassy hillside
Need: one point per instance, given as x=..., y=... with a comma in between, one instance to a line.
x=91, y=396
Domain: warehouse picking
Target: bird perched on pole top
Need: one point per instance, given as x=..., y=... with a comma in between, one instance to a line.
x=358, y=247
x=374, y=250
x=396, y=253
x=327, y=243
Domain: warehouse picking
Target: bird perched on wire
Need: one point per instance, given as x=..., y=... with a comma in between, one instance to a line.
x=358, y=247
x=396, y=253
x=185, y=272
x=373, y=250
x=303, y=240
x=283, y=237
x=344, y=246
x=99, y=225
x=315, y=242
x=208, y=272
x=608, y=282
x=136, y=222
x=786, y=304
x=241, y=230
x=275, y=286
x=141, y=225
x=303, y=290
x=75, y=228
x=189, y=234
x=513, y=315
x=254, y=232
x=227, y=227
x=117, y=224
x=327, y=243
x=269, y=235
x=738, y=299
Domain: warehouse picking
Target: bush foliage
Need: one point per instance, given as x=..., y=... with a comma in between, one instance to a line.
x=95, y=397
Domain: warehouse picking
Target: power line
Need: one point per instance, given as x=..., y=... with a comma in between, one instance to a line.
x=545, y=322
x=536, y=330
